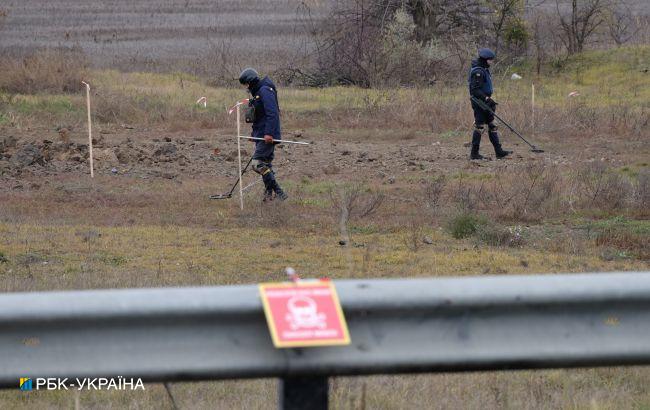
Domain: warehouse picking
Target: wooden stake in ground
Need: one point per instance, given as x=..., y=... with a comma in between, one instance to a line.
x=532, y=104
x=90, y=130
x=241, y=191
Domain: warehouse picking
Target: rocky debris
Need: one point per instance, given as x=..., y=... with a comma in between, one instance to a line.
x=28, y=155
x=232, y=156
x=7, y=142
x=166, y=149
x=105, y=156
x=64, y=134
x=98, y=141
x=125, y=156
x=4, y=166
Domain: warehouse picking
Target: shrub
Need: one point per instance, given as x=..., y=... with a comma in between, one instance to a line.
x=50, y=71
x=624, y=235
x=601, y=188
x=497, y=235
x=641, y=198
x=464, y=225
x=433, y=193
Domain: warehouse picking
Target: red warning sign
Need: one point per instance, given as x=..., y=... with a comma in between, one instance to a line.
x=304, y=314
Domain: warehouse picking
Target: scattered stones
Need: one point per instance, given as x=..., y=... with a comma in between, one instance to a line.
x=98, y=141
x=105, y=156
x=28, y=155
x=166, y=149
x=7, y=142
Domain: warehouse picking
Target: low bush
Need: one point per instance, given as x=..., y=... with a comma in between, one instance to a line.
x=46, y=71
x=624, y=235
x=464, y=225
x=497, y=235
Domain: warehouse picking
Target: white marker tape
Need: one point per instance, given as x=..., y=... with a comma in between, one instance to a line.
x=232, y=109
x=203, y=100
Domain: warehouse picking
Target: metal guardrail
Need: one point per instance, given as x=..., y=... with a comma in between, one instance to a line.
x=396, y=326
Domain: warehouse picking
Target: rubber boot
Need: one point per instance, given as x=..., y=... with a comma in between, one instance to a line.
x=279, y=193
x=494, y=139
x=268, y=187
x=476, y=143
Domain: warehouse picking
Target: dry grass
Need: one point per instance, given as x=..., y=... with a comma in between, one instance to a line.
x=604, y=388
x=123, y=231
x=48, y=71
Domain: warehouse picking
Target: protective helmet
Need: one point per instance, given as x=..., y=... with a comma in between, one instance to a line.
x=486, y=54
x=248, y=76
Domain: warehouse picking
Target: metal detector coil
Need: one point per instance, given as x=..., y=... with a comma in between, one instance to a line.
x=487, y=108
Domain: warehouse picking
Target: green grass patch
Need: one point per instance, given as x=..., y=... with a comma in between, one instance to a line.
x=451, y=134
x=464, y=225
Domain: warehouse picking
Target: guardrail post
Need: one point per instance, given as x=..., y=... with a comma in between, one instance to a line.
x=304, y=393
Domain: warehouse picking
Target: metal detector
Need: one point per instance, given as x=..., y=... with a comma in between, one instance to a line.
x=229, y=194
x=487, y=108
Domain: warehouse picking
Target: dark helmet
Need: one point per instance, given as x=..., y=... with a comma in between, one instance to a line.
x=248, y=76
x=486, y=54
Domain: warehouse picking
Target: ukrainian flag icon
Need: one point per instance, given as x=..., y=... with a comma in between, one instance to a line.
x=25, y=383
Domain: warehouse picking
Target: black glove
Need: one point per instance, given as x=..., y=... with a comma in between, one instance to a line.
x=491, y=103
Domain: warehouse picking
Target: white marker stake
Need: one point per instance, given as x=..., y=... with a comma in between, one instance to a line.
x=241, y=191
x=532, y=103
x=90, y=130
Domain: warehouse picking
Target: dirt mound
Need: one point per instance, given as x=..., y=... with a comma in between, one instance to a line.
x=156, y=158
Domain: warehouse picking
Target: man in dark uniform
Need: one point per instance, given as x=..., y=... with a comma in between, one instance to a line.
x=266, y=125
x=480, y=87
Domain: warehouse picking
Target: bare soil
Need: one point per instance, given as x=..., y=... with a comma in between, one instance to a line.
x=26, y=155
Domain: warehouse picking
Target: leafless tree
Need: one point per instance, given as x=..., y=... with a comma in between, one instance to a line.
x=503, y=12
x=438, y=18
x=584, y=17
x=620, y=23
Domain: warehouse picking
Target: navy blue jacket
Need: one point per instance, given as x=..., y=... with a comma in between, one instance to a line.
x=480, y=80
x=267, y=117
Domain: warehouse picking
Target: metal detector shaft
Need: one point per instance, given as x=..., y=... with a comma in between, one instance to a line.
x=488, y=109
x=276, y=141
x=229, y=194
x=242, y=172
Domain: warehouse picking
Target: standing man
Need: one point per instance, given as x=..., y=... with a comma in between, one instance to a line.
x=480, y=87
x=265, y=111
